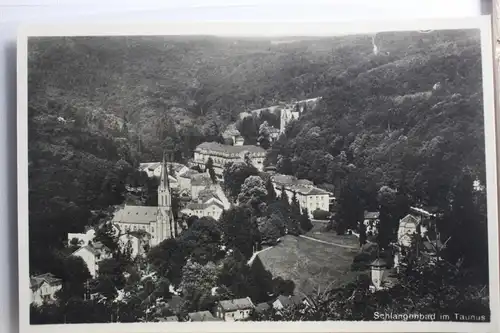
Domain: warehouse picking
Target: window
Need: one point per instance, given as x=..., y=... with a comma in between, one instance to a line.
x=152, y=229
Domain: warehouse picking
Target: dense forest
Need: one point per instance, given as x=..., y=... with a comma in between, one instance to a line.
x=400, y=126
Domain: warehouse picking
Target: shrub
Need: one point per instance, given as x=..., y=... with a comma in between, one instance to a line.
x=319, y=214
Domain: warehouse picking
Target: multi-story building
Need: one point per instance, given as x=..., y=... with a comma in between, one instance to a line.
x=223, y=154
x=308, y=196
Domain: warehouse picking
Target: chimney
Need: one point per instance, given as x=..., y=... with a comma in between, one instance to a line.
x=378, y=268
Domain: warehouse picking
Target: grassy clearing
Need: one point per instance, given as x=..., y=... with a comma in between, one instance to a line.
x=308, y=263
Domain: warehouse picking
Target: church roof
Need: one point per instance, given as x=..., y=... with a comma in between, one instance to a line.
x=136, y=214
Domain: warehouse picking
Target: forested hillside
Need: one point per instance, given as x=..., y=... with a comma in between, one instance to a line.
x=408, y=117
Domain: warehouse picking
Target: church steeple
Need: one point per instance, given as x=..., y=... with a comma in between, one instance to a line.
x=164, y=195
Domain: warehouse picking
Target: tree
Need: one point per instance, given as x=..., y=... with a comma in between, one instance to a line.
x=106, y=234
x=295, y=207
x=110, y=278
x=269, y=230
x=264, y=138
x=253, y=193
x=202, y=240
x=196, y=285
x=249, y=130
x=271, y=193
x=239, y=229
x=362, y=234
x=388, y=221
x=168, y=258
x=209, y=166
x=465, y=227
x=75, y=274
x=305, y=221
x=234, y=176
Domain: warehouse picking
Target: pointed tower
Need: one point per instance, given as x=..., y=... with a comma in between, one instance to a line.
x=165, y=217
x=164, y=195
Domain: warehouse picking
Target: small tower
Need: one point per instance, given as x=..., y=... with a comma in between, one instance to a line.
x=378, y=268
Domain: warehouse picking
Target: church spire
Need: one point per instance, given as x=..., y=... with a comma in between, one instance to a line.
x=164, y=199
x=164, y=181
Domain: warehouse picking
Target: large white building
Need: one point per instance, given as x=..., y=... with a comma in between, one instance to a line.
x=309, y=196
x=158, y=221
x=223, y=154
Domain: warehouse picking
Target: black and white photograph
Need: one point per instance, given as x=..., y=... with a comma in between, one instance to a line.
x=289, y=173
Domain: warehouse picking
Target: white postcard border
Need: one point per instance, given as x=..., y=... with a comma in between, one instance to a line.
x=258, y=28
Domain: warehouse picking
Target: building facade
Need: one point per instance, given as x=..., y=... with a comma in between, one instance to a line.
x=308, y=196
x=234, y=310
x=212, y=209
x=223, y=154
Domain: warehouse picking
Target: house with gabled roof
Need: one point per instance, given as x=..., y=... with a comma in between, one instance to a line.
x=234, y=309
x=308, y=196
x=283, y=301
x=92, y=254
x=44, y=287
x=212, y=209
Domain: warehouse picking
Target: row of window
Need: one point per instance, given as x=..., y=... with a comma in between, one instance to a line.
x=136, y=228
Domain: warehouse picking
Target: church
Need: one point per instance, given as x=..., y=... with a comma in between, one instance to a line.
x=156, y=223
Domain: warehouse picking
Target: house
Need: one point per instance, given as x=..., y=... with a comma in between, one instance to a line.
x=232, y=136
x=199, y=182
x=222, y=154
x=213, y=208
x=418, y=220
x=234, y=309
x=274, y=133
x=371, y=222
x=308, y=196
x=201, y=316
x=184, y=179
x=135, y=240
x=282, y=301
x=92, y=254
x=82, y=238
x=44, y=287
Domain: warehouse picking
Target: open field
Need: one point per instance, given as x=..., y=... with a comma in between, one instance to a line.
x=308, y=264
x=318, y=232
